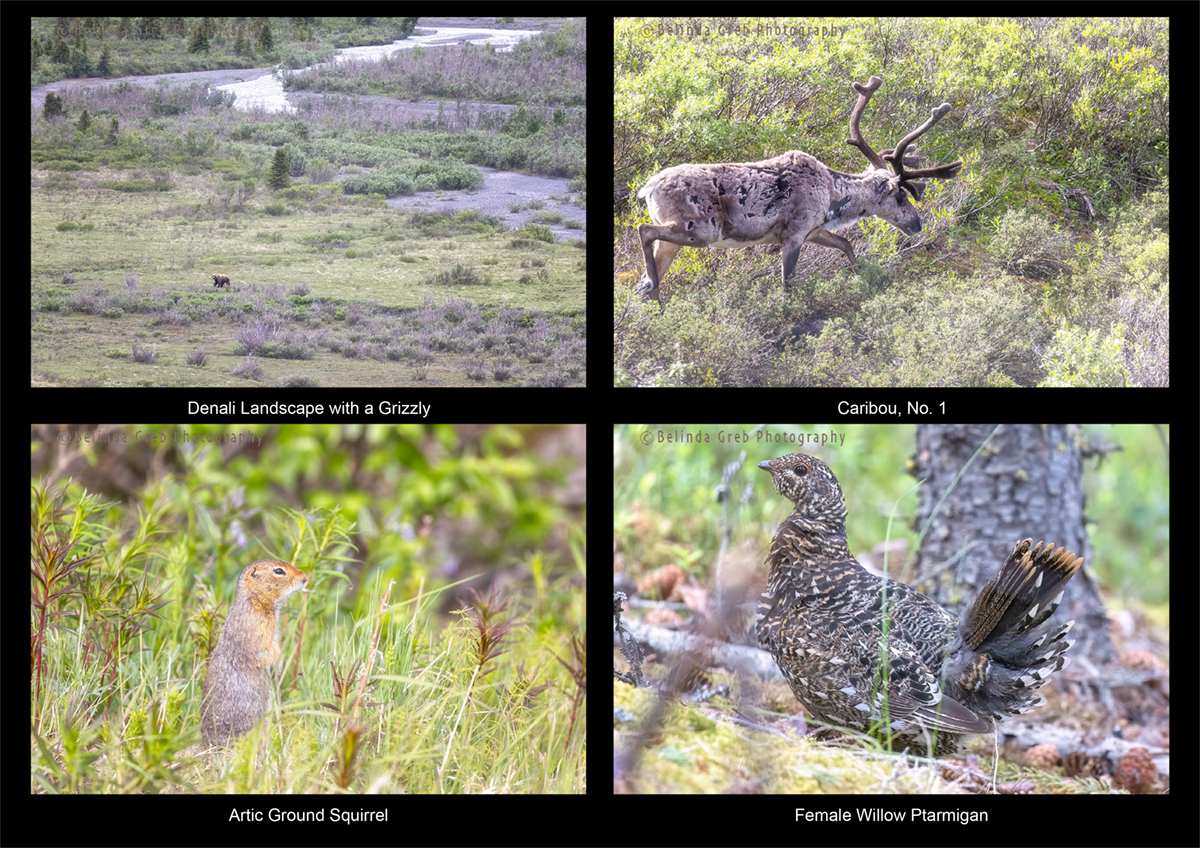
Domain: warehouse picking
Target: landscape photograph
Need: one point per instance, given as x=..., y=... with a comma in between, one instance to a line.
x=294, y=202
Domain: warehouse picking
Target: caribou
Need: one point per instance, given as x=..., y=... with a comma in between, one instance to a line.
x=789, y=200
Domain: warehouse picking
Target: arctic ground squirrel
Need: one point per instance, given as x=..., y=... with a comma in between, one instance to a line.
x=237, y=684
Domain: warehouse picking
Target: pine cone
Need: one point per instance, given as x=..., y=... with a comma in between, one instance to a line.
x=828, y=623
x=1135, y=772
x=1043, y=757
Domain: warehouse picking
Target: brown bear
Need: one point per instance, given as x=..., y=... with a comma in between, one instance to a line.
x=220, y=280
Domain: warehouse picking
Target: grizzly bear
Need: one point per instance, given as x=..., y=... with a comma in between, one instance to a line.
x=220, y=280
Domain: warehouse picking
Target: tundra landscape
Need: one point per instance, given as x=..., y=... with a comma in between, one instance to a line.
x=308, y=202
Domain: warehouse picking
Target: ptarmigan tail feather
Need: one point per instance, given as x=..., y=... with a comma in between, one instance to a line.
x=1005, y=650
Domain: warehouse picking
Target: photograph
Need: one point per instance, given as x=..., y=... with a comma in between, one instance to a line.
x=306, y=610
x=861, y=609
x=238, y=202
x=891, y=202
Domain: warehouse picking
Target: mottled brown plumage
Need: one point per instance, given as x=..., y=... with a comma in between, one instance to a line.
x=827, y=622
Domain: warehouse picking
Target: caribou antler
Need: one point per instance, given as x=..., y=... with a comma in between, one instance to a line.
x=910, y=179
x=941, y=172
x=856, y=139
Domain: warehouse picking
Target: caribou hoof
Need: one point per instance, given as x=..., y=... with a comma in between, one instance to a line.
x=646, y=288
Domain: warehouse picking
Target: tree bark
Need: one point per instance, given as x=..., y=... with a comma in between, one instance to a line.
x=1026, y=482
